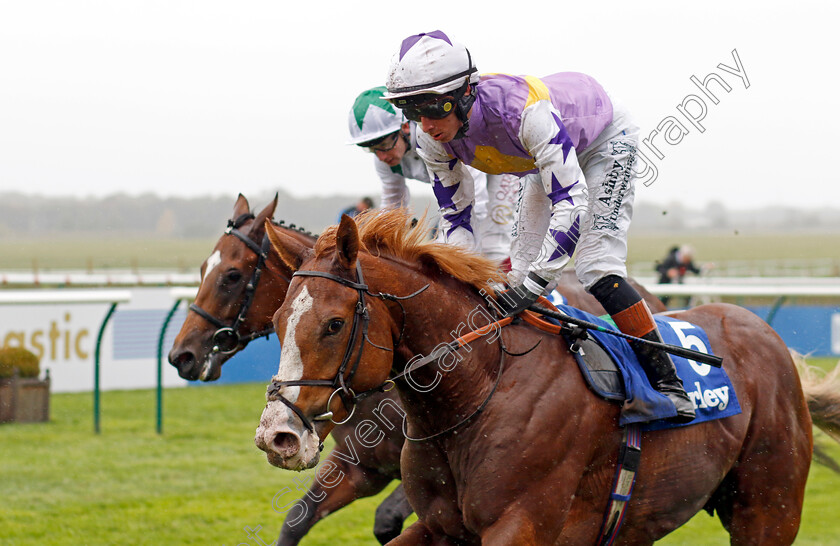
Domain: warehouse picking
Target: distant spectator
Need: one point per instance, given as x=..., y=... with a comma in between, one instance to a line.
x=676, y=264
x=364, y=204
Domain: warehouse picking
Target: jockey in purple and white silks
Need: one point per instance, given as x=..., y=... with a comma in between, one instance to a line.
x=375, y=124
x=574, y=147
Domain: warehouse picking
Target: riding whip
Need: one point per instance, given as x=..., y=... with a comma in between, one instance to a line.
x=691, y=354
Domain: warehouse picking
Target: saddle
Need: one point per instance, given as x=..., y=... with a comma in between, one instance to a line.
x=611, y=370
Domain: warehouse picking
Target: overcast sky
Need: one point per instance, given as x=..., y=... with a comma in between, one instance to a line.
x=190, y=98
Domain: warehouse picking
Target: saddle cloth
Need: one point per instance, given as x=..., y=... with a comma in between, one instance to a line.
x=612, y=371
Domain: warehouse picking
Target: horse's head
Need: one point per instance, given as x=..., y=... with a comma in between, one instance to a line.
x=239, y=292
x=338, y=340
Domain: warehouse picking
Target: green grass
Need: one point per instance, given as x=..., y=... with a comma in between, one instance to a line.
x=75, y=252
x=203, y=481
x=98, y=253
x=820, y=525
x=723, y=246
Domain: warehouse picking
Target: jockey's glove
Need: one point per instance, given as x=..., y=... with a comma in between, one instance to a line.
x=518, y=298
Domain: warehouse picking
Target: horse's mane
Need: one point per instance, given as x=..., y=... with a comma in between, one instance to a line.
x=390, y=233
x=300, y=229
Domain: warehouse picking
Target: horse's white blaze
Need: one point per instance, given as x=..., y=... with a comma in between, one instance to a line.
x=277, y=417
x=214, y=260
x=291, y=364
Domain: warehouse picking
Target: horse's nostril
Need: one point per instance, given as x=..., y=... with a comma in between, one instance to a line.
x=286, y=444
x=184, y=361
x=181, y=358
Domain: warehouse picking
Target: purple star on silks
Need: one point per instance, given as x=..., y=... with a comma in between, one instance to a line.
x=452, y=163
x=561, y=138
x=559, y=193
x=459, y=219
x=444, y=194
x=411, y=40
x=566, y=240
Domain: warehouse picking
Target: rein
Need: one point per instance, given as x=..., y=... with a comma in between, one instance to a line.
x=226, y=339
x=462, y=341
x=452, y=346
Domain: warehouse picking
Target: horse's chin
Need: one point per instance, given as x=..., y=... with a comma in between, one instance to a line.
x=298, y=462
x=211, y=369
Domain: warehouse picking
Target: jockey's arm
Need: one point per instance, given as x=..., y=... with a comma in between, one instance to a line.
x=454, y=190
x=395, y=192
x=544, y=135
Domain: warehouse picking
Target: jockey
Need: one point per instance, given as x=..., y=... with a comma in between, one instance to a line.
x=573, y=145
x=380, y=128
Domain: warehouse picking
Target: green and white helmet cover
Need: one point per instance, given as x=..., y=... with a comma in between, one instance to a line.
x=373, y=117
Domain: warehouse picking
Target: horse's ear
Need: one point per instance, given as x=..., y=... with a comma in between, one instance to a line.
x=347, y=242
x=265, y=214
x=291, y=252
x=241, y=207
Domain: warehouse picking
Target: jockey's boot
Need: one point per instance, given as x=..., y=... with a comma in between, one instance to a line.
x=662, y=374
x=632, y=316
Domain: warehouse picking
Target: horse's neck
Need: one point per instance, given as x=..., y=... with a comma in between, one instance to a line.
x=275, y=278
x=282, y=273
x=440, y=314
x=302, y=237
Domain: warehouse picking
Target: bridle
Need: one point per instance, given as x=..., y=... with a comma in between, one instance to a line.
x=227, y=339
x=343, y=377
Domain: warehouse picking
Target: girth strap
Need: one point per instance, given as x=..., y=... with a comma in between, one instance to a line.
x=629, y=455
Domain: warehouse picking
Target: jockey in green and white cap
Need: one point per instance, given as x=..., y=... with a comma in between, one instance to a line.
x=574, y=148
x=372, y=118
x=377, y=125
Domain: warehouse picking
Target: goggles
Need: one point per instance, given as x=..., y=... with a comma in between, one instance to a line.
x=384, y=144
x=437, y=108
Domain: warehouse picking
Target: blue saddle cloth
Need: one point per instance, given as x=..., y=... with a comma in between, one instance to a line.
x=708, y=387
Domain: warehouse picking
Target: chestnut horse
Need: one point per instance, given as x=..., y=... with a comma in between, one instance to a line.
x=222, y=295
x=536, y=465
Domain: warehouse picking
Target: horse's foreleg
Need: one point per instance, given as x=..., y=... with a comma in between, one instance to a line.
x=348, y=482
x=511, y=529
x=301, y=518
x=391, y=514
x=417, y=534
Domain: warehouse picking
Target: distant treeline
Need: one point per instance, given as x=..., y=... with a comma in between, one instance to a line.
x=715, y=216
x=150, y=215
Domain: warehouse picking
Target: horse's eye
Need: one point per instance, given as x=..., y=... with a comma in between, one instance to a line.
x=334, y=326
x=233, y=276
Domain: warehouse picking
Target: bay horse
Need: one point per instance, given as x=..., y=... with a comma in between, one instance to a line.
x=222, y=295
x=536, y=463
x=227, y=314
